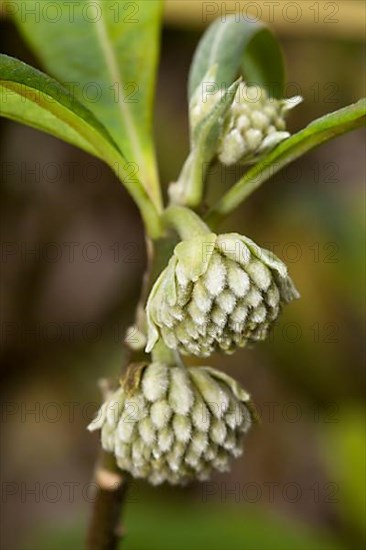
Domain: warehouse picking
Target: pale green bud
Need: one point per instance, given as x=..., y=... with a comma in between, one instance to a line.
x=217, y=293
x=157, y=435
x=254, y=125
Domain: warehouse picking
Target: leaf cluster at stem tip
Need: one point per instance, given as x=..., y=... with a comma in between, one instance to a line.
x=120, y=58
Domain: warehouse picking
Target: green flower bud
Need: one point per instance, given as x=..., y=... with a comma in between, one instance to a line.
x=175, y=424
x=254, y=125
x=216, y=294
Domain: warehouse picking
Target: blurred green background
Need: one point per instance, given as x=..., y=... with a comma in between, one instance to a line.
x=72, y=260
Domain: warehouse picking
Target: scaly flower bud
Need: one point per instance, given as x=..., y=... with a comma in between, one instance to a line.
x=254, y=125
x=174, y=423
x=217, y=293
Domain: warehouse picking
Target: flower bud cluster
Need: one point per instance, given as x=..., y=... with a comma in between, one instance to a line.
x=175, y=424
x=217, y=293
x=254, y=125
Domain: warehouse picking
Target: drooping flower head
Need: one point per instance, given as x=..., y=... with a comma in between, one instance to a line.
x=216, y=294
x=175, y=424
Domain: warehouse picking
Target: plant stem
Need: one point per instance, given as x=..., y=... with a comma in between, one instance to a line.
x=105, y=530
x=162, y=354
x=188, y=189
x=185, y=222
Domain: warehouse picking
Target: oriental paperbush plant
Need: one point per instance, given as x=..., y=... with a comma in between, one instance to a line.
x=204, y=291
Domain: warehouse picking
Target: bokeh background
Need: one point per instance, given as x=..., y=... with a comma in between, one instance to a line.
x=72, y=260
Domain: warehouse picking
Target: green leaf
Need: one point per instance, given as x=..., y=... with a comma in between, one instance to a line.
x=263, y=63
x=35, y=99
x=317, y=132
x=105, y=52
x=239, y=46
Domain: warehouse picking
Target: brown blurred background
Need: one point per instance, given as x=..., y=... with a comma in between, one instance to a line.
x=72, y=260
